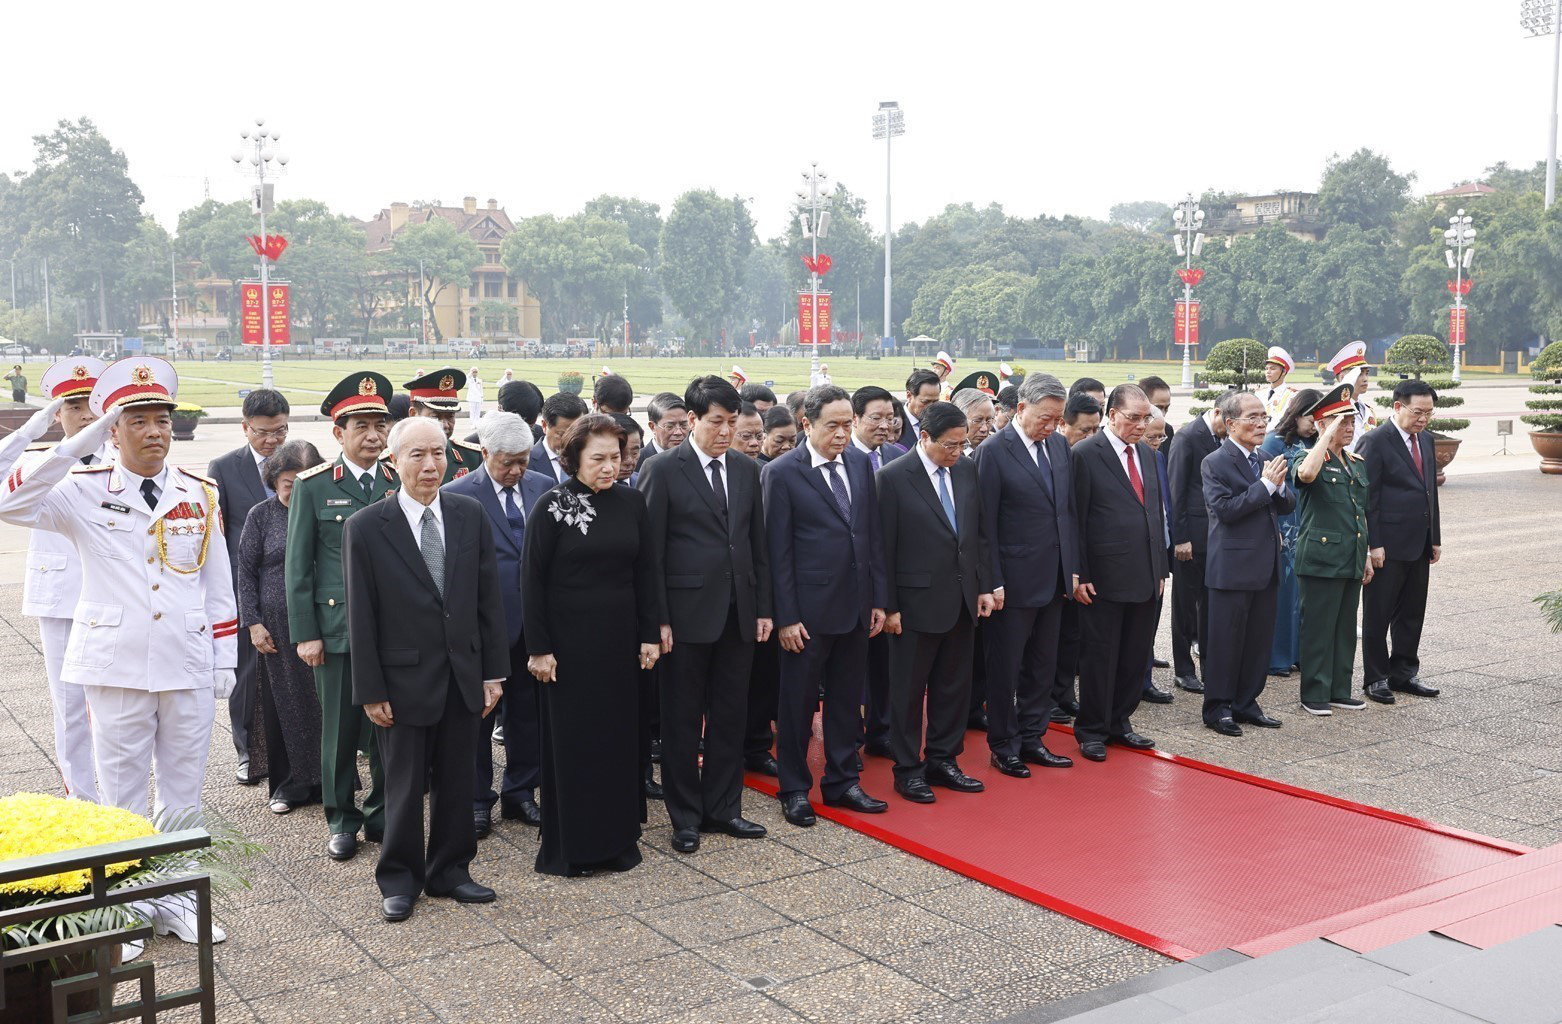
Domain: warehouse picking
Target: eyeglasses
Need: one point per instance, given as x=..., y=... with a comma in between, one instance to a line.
x=749, y=435
x=277, y=432
x=1134, y=420
x=1258, y=419
x=876, y=418
x=951, y=446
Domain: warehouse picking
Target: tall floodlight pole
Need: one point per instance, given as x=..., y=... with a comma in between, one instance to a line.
x=1187, y=219
x=261, y=153
x=173, y=294
x=888, y=123
x=1540, y=18
x=1460, y=239
x=815, y=222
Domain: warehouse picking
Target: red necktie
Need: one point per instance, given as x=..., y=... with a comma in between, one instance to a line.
x=1133, y=474
x=1415, y=456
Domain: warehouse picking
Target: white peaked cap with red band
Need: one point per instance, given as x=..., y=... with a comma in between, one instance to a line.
x=134, y=380
x=737, y=376
x=945, y=360
x=1281, y=358
x=72, y=378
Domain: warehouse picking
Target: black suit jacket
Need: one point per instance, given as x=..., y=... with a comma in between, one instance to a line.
x=540, y=463
x=239, y=489
x=646, y=451
x=1031, y=534
x=936, y=568
x=1244, y=526
x=408, y=643
x=706, y=561
x=478, y=484
x=1402, y=513
x=1189, y=448
x=1122, y=544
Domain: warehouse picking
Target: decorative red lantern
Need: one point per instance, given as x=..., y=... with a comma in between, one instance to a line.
x=1191, y=276
x=820, y=266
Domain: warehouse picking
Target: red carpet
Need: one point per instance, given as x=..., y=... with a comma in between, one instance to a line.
x=1180, y=856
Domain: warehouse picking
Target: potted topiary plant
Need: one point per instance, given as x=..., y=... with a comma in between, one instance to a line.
x=1238, y=362
x=571, y=382
x=1547, y=417
x=186, y=416
x=1424, y=357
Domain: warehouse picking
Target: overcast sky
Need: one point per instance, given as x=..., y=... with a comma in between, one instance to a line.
x=1045, y=107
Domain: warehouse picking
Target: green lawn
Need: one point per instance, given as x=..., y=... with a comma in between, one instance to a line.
x=217, y=384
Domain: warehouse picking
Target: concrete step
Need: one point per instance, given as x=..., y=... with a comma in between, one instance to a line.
x=1124, y=991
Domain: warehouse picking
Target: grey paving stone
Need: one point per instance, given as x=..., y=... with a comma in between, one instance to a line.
x=1387, y=1006
x=1261, y=972
x=1419, y=953
x=1295, y=995
x=864, y=993
x=1516, y=982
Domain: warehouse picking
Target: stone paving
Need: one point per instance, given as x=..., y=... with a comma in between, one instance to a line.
x=825, y=924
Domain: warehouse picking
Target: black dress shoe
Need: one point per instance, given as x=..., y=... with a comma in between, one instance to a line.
x=1380, y=692
x=1415, y=687
x=1009, y=765
x=1070, y=707
x=857, y=761
x=397, y=908
x=1160, y=663
x=1155, y=695
x=914, y=788
x=1190, y=683
x=467, y=892
x=1038, y=754
x=656, y=751
x=878, y=749
x=652, y=790
x=524, y=811
x=949, y=775
x=342, y=846
x=737, y=828
x=978, y=721
x=854, y=799
x=686, y=840
x=765, y=765
x=482, y=823
x=795, y=809
x=1261, y=720
x=1134, y=740
x=1225, y=726
x=1060, y=716
x=1095, y=750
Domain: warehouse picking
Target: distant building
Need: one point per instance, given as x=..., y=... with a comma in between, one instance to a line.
x=1469, y=190
x=457, y=308
x=1296, y=212
x=203, y=320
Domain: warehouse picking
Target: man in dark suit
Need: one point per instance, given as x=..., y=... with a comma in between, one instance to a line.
x=1245, y=495
x=930, y=505
x=1028, y=516
x=669, y=425
x=507, y=490
x=827, y=571
x=559, y=411
x=1405, y=531
x=1190, y=538
x=239, y=488
x=1122, y=570
x=708, y=532
x=921, y=391
x=873, y=410
x=430, y=655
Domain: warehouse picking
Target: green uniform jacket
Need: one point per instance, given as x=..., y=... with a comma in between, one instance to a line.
x=1332, y=539
x=323, y=499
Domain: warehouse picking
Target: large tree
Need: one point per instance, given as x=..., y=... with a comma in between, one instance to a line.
x=704, y=247
x=577, y=267
x=445, y=254
x=325, y=258
x=1362, y=189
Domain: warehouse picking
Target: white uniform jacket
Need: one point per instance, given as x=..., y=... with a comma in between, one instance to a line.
x=53, y=583
x=139, y=622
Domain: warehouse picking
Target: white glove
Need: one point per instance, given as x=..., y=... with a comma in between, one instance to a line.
x=224, y=682
x=90, y=438
x=38, y=423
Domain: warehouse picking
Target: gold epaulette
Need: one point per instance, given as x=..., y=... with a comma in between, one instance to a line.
x=468, y=445
x=385, y=455
x=102, y=467
x=1354, y=457
x=305, y=474
x=41, y=446
x=197, y=476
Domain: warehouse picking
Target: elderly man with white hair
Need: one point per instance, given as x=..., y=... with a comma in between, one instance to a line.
x=507, y=488
x=980, y=416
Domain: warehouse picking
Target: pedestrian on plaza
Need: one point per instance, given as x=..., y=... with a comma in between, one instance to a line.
x=285, y=747
x=1332, y=564
x=1295, y=431
x=588, y=578
x=474, y=394
x=18, y=381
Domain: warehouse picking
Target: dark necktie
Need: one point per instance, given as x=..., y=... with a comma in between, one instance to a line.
x=873, y=457
x=367, y=483
x=716, y=486
x=86, y=460
x=843, y=500
x=1415, y=456
x=149, y=492
x=1257, y=463
x=1043, y=464
x=433, y=550
x=512, y=512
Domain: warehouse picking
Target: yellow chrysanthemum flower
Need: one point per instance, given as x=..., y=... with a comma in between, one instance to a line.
x=32, y=824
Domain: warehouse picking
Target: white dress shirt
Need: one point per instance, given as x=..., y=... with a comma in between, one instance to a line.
x=133, y=482
x=932, y=474
x=413, y=510
x=706, y=460
x=554, y=467
x=817, y=461
x=1410, y=442
x=357, y=471
x=1119, y=446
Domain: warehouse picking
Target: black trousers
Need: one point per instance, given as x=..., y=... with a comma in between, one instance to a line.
x=839, y=660
x=1067, y=671
x=1116, y=640
x=1241, y=632
x=1022, y=646
x=441, y=756
x=876, y=701
x=1190, y=613
x=935, y=669
x=1149, y=666
x=517, y=712
x=764, y=682
x=1393, y=609
x=241, y=704
x=705, y=683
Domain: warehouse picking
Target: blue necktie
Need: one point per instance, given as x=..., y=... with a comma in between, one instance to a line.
x=843, y=500
x=944, y=499
x=512, y=512
x=1257, y=464
x=261, y=469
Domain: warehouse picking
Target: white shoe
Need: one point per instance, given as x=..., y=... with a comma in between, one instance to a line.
x=128, y=951
x=181, y=924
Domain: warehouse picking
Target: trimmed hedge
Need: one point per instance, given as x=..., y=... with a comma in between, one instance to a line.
x=1546, y=367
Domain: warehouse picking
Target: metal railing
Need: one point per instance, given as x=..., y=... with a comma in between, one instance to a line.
x=100, y=975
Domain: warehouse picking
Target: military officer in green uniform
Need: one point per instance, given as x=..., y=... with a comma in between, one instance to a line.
x=323, y=499
x=438, y=395
x=1331, y=553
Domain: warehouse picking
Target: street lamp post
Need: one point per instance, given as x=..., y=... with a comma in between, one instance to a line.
x=1187, y=219
x=1460, y=239
x=261, y=156
x=815, y=222
x=887, y=124
x=1540, y=18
